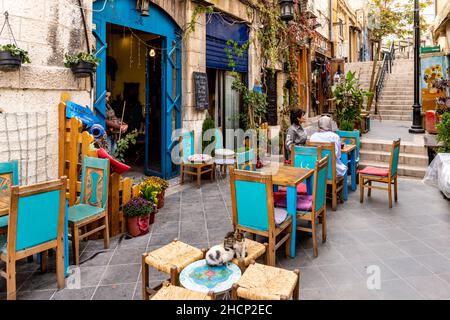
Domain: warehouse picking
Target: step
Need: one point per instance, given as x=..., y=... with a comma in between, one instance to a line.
x=406, y=107
x=396, y=117
x=385, y=146
x=403, y=170
x=395, y=112
x=405, y=93
x=410, y=159
x=401, y=103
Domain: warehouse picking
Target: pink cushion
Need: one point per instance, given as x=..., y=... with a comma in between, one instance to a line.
x=301, y=189
x=374, y=171
x=280, y=215
x=304, y=202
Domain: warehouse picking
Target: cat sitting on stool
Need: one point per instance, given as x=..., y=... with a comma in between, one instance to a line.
x=233, y=247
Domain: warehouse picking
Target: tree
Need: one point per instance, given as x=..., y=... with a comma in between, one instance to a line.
x=387, y=18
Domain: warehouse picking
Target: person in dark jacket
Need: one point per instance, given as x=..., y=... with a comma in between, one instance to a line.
x=295, y=133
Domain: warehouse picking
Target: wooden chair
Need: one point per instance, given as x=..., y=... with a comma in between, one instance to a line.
x=193, y=168
x=381, y=175
x=224, y=158
x=318, y=206
x=93, y=206
x=254, y=211
x=246, y=160
x=171, y=292
x=351, y=137
x=171, y=259
x=9, y=176
x=333, y=180
x=255, y=250
x=36, y=225
x=260, y=282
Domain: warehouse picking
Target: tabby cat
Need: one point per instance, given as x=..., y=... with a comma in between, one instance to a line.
x=233, y=247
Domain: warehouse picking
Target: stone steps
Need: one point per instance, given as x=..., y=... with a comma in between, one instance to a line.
x=395, y=112
x=394, y=117
x=408, y=159
x=385, y=146
x=392, y=107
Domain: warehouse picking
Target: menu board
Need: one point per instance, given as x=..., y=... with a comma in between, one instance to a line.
x=201, y=90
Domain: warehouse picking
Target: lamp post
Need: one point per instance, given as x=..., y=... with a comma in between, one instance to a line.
x=417, y=117
x=287, y=10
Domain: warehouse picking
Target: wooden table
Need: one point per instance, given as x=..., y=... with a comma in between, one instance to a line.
x=290, y=177
x=348, y=155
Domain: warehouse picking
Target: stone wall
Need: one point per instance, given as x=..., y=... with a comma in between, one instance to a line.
x=47, y=29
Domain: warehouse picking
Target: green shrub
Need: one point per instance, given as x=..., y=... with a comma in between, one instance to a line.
x=71, y=60
x=15, y=51
x=443, y=128
x=207, y=125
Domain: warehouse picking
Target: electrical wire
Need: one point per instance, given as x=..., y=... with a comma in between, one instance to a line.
x=88, y=9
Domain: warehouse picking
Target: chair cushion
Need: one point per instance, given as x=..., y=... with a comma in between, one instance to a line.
x=304, y=202
x=176, y=253
x=301, y=189
x=224, y=153
x=261, y=282
x=80, y=212
x=374, y=171
x=4, y=221
x=280, y=215
x=200, y=158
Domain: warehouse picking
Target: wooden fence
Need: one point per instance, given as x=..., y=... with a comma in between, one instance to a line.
x=74, y=144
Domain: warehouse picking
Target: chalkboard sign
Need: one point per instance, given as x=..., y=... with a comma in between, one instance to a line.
x=201, y=90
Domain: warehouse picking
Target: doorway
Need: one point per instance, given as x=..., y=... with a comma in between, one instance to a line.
x=134, y=78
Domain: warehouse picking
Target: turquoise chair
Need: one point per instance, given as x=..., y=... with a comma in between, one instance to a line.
x=93, y=206
x=246, y=160
x=36, y=225
x=197, y=169
x=353, y=136
x=254, y=211
x=317, y=209
x=9, y=176
x=370, y=175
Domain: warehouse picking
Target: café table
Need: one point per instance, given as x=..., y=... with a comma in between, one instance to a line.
x=348, y=156
x=200, y=277
x=289, y=177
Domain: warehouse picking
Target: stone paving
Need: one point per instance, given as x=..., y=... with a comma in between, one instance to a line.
x=409, y=243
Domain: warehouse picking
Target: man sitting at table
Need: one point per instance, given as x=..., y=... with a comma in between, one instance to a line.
x=326, y=134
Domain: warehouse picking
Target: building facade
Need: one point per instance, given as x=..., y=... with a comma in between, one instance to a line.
x=441, y=25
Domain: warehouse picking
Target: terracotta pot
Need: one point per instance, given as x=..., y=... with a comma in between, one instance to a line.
x=138, y=226
x=161, y=200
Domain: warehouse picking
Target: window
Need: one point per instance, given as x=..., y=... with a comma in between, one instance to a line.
x=341, y=27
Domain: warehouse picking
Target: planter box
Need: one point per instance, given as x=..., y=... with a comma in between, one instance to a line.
x=83, y=69
x=138, y=226
x=8, y=62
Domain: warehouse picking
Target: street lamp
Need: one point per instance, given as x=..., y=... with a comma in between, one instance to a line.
x=287, y=10
x=417, y=117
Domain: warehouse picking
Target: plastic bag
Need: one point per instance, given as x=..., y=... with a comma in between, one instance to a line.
x=438, y=173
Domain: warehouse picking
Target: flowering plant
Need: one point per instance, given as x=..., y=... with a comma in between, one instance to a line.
x=138, y=207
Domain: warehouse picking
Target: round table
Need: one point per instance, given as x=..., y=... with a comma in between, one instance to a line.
x=224, y=158
x=200, y=277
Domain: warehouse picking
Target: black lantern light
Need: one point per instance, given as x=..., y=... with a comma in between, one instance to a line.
x=287, y=10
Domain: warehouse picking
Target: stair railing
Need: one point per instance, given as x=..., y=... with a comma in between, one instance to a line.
x=386, y=67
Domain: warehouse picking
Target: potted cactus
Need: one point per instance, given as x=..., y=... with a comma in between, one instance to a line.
x=155, y=188
x=140, y=213
x=12, y=57
x=82, y=64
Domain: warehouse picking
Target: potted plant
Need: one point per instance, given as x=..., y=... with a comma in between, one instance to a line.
x=140, y=213
x=155, y=188
x=443, y=132
x=12, y=57
x=349, y=100
x=82, y=64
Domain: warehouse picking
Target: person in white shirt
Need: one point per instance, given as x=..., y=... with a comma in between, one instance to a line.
x=326, y=134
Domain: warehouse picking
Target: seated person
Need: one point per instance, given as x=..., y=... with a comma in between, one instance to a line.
x=113, y=125
x=295, y=133
x=326, y=134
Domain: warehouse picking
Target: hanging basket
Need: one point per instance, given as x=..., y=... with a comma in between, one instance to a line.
x=8, y=62
x=83, y=69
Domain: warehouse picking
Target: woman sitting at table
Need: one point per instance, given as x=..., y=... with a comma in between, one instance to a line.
x=326, y=134
x=295, y=133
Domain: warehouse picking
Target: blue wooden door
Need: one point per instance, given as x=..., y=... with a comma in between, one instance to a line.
x=124, y=13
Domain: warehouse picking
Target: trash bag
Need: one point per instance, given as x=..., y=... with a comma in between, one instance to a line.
x=438, y=173
x=85, y=114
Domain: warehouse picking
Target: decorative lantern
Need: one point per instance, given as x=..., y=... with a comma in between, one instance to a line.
x=143, y=6
x=287, y=10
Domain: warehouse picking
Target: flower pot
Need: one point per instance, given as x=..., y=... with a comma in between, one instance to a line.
x=8, y=62
x=82, y=69
x=138, y=226
x=161, y=200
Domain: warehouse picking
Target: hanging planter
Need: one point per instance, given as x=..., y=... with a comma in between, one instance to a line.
x=11, y=56
x=82, y=65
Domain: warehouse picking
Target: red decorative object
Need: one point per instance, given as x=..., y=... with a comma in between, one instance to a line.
x=301, y=189
x=138, y=226
x=117, y=166
x=431, y=118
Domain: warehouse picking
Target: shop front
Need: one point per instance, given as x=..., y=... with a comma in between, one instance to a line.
x=321, y=78
x=140, y=66
x=222, y=32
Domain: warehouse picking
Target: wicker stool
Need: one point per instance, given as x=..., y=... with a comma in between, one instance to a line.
x=171, y=259
x=171, y=292
x=254, y=251
x=260, y=282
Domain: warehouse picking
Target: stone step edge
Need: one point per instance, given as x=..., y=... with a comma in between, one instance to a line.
x=402, y=154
